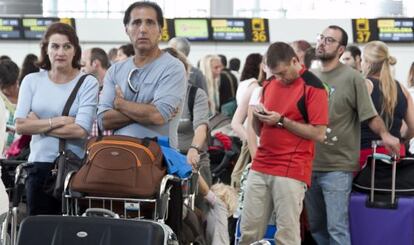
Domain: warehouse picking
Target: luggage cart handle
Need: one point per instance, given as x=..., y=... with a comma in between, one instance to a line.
x=100, y=212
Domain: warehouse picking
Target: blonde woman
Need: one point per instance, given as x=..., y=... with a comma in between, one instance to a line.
x=392, y=100
x=410, y=80
x=211, y=67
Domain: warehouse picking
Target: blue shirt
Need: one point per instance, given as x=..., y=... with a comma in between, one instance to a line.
x=46, y=99
x=161, y=83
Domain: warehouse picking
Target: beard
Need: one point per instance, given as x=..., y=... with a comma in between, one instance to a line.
x=324, y=56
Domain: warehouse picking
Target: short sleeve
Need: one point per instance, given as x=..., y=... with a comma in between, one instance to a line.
x=363, y=101
x=317, y=106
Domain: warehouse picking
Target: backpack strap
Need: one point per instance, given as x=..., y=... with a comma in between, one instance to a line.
x=302, y=107
x=191, y=100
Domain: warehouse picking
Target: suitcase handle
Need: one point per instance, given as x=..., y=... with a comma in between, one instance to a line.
x=393, y=160
x=100, y=212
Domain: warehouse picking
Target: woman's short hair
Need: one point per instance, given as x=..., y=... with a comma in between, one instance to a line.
x=70, y=33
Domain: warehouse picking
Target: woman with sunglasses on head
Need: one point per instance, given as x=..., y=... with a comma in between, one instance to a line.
x=43, y=96
x=392, y=101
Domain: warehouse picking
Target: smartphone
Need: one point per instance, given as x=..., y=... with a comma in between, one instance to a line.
x=10, y=128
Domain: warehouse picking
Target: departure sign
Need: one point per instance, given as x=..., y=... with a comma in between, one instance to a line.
x=228, y=29
x=364, y=30
x=192, y=29
x=10, y=28
x=167, y=31
x=33, y=28
x=259, y=30
x=396, y=30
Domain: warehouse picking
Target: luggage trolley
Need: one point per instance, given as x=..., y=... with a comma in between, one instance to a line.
x=14, y=173
x=155, y=208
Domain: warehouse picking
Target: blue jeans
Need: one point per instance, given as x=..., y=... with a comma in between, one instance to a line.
x=327, y=203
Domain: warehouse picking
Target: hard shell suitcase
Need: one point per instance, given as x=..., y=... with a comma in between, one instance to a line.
x=75, y=230
x=384, y=220
x=371, y=226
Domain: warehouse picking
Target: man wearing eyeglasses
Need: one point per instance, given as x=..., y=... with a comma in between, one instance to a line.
x=337, y=157
x=142, y=94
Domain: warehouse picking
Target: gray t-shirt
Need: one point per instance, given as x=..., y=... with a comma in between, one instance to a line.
x=349, y=105
x=186, y=128
x=196, y=78
x=161, y=83
x=46, y=99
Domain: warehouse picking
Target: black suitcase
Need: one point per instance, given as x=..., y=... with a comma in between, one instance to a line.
x=75, y=230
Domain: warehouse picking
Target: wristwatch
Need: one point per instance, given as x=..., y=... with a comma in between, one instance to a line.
x=196, y=147
x=279, y=123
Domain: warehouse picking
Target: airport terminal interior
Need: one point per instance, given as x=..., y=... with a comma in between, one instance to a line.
x=207, y=122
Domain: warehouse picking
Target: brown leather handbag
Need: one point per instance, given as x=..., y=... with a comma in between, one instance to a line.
x=120, y=166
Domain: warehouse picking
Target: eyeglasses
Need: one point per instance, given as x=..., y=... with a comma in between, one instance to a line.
x=326, y=40
x=135, y=90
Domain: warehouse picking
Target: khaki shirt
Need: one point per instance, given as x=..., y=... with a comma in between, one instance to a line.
x=349, y=105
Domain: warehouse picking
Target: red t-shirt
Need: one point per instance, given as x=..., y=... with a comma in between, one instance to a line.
x=281, y=152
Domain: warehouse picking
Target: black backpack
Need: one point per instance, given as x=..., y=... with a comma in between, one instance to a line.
x=404, y=183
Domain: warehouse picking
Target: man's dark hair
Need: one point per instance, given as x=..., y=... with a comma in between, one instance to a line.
x=234, y=64
x=99, y=54
x=127, y=49
x=354, y=50
x=344, y=38
x=309, y=57
x=223, y=60
x=141, y=4
x=70, y=33
x=9, y=72
x=279, y=52
x=5, y=57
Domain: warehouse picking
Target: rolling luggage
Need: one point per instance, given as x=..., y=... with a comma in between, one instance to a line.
x=71, y=230
x=381, y=219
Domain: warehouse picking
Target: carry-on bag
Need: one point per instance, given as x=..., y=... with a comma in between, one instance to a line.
x=381, y=219
x=120, y=166
x=75, y=230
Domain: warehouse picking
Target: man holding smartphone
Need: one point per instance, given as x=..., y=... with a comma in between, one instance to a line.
x=292, y=115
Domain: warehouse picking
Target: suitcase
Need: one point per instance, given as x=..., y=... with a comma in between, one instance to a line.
x=75, y=230
x=381, y=219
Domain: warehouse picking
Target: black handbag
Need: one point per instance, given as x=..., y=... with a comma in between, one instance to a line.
x=66, y=161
